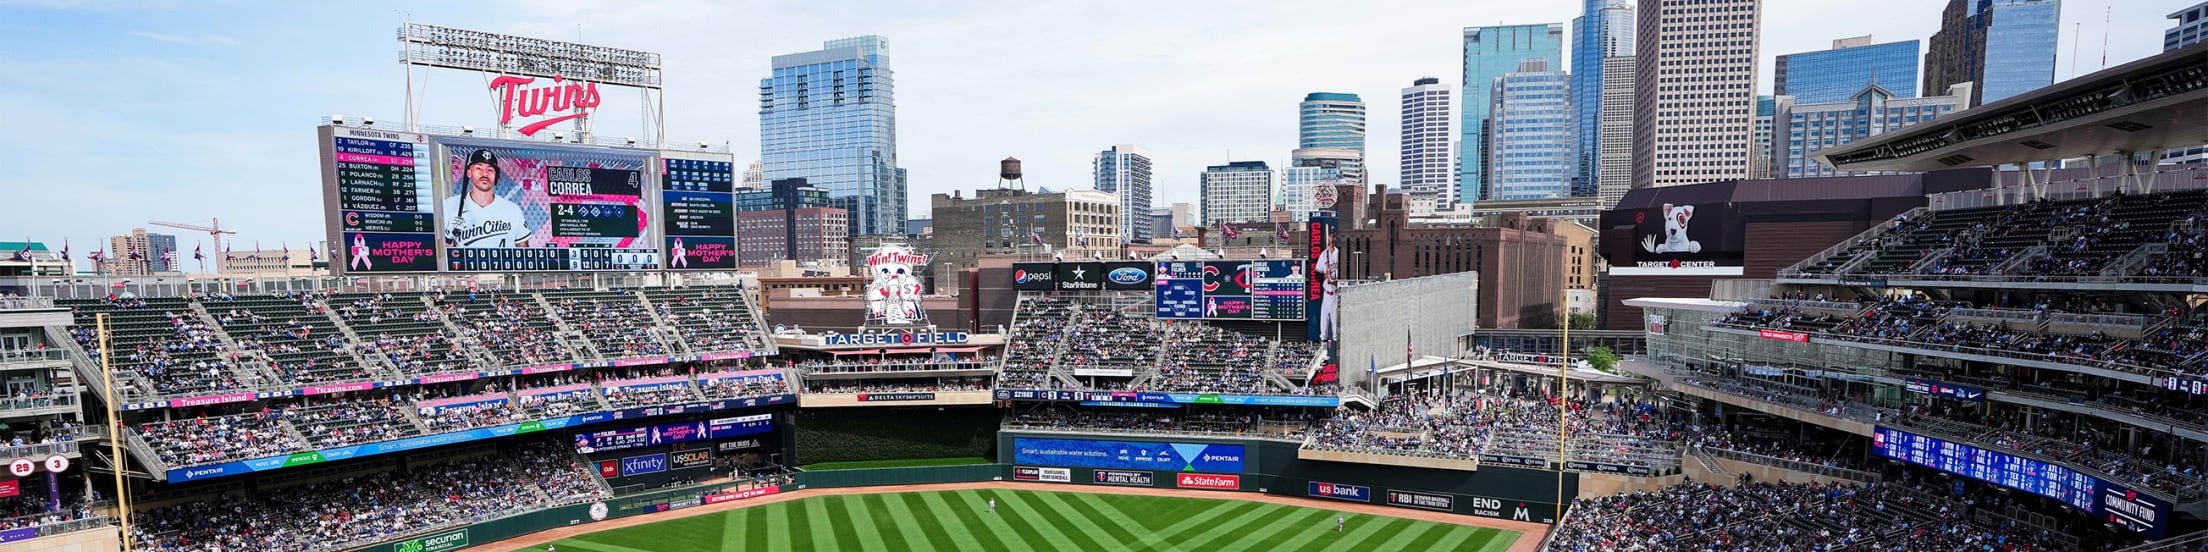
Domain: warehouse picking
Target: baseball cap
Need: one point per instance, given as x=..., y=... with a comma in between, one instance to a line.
x=483, y=156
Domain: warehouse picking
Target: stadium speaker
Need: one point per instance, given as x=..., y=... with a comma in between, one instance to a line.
x=367, y=121
x=337, y=120
x=559, y=136
x=467, y=129
x=631, y=140
x=701, y=146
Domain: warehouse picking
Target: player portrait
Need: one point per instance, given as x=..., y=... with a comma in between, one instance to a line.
x=476, y=214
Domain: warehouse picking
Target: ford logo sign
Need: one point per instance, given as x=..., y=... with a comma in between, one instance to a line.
x=1128, y=275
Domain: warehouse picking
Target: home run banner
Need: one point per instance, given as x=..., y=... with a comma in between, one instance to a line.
x=1129, y=455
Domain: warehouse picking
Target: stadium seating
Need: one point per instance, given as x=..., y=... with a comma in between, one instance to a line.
x=1072, y=340
x=292, y=334
x=710, y=320
x=2151, y=237
x=616, y=321
x=1773, y=517
x=164, y=341
x=513, y=328
x=404, y=330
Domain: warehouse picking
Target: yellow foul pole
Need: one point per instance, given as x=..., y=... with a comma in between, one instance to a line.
x=114, y=434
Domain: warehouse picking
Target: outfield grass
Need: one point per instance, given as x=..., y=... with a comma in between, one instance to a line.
x=906, y=463
x=1033, y=520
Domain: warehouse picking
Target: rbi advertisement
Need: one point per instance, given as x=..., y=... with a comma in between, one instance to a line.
x=523, y=206
x=1129, y=455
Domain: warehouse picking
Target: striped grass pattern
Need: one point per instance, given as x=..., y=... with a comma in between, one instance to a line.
x=1033, y=520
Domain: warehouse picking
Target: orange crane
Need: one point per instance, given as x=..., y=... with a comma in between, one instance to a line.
x=213, y=228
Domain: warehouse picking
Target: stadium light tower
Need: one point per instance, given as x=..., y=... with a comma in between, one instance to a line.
x=213, y=228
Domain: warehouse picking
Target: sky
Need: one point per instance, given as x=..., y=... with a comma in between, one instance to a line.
x=125, y=112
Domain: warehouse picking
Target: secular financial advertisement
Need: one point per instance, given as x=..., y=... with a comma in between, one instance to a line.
x=527, y=206
x=1682, y=240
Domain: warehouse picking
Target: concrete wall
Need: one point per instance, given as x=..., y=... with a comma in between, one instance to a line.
x=103, y=539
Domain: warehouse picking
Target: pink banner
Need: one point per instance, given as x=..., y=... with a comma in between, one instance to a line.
x=460, y=400
x=725, y=356
x=447, y=378
x=217, y=399
x=645, y=381
x=548, y=369
x=640, y=361
x=340, y=388
x=377, y=159
x=554, y=390
x=746, y=373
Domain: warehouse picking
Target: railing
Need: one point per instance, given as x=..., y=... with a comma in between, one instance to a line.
x=2126, y=321
x=2131, y=260
x=2170, y=180
x=74, y=525
x=30, y=403
x=1858, y=476
x=902, y=367
x=1966, y=349
x=1840, y=409
x=1851, y=242
x=2189, y=543
x=33, y=355
x=26, y=303
x=2018, y=315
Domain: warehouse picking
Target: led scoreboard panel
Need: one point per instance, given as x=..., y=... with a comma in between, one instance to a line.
x=1231, y=290
x=508, y=206
x=377, y=192
x=698, y=203
x=2110, y=501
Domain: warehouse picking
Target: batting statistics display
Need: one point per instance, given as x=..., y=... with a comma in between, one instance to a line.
x=378, y=190
x=1231, y=290
x=700, y=222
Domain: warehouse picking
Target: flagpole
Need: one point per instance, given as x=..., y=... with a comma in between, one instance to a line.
x=1564, y=382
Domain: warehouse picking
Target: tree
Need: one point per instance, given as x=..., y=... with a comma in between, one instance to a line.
x=1583, y=321
x=1602, y=358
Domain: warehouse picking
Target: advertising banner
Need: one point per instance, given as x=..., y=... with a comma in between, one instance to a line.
x=696, y=458
x=1784, y=336
x=1514, y=510
x=1938, y=389
x=10, y=488
x=895, y=397
x=740, y=495
x=1129, y=455
x=1124, y=478
x=1034, y=276
x=1080, y=276
x=1051, y=475
x=1422, y=501
x=649, y=463
x=24, y=534
x=1207, y=481
x=365, y=252
x=1682, y=240
x=439, y=543
x=1129, y=275
x=1353, y=493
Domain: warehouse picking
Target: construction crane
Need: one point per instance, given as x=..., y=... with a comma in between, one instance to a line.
x=213, y=228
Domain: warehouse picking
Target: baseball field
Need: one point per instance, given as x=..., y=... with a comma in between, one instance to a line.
x=1032, y=520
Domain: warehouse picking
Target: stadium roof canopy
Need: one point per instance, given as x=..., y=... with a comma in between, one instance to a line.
x=2156, y=103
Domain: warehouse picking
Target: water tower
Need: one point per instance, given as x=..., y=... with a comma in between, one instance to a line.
x=1008, y=174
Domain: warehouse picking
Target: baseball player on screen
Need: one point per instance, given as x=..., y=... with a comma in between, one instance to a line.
x=476, y=216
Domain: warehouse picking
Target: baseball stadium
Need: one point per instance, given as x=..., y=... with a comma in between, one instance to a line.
x=539, y=337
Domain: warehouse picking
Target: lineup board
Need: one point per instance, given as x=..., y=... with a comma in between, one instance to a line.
x=697, y=196
x=1231, y=290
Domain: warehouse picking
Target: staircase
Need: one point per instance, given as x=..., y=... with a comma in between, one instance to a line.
x=666, y=333
x=573, y=340
x=249, y=363
x=373, y=363
x=475, y=354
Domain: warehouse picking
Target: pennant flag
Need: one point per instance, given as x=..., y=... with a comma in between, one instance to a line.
x=1281, y=230
x=287, y=252
x=1228, y=231
x=99, y=254
x=25, y=254
x=65, y=249
x=196, y=255
x=134, y=252
x=312, y=255
x=1037, y=236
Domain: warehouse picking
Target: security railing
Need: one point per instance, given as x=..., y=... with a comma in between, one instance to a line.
x=26, y=303
x=1858, y=476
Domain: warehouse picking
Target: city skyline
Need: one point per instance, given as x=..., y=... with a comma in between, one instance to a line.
x=129, y=90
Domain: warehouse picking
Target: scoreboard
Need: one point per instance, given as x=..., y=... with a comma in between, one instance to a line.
x=400, y=202
x=2108, y=500
x=378, y=191
x=1231, y=290
x=697, y=195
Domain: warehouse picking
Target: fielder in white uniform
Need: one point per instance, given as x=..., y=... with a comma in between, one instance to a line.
x=481, y=217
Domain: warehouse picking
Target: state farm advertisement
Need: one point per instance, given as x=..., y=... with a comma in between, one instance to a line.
x=1208, y=481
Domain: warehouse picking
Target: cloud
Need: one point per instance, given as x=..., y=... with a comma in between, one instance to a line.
x=213, y=39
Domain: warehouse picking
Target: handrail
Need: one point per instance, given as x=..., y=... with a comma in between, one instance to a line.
x=26, y=303
x=74, y=525
x=2181, y=544
x=2004, y=353
x=1858, y=476
x=2140, y=321
x=1852, y=241
x=33, y=355
x=2021, y=315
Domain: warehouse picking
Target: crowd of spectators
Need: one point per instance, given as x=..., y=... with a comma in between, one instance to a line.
x=512, y=328
x=351, y=421
x=1281, y=422
x=209, y=440
x=1776, y=517
x=897, y=363
x=619, y=325
x=742, y=386
x=710, y=319
x=361, y=509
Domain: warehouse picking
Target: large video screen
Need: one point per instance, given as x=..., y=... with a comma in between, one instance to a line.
x=525, y=206
x=699, y=222
x=380, y=199
x=1231, y=290
x=2107, y=500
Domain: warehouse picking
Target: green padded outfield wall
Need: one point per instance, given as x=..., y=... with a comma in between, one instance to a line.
x=863, y=434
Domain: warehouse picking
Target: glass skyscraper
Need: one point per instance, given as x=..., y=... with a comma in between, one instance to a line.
x=2006, y=47
x=1603, y=30
x=1851, y=65
x=1330, y=120
x=1490, y=53
x=1533, y=147
x=829, y=116
x=1125, y=170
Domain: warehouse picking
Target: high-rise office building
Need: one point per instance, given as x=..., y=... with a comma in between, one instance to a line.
x=1427, y=172
x=1348, y=164
x=1333, y=121
x=1810, y=128
x=1297, y=185
x=2007, y=47
x=1851, y=65
x=1532, y=152
x=829, y=116
x=1694, y=104
x=139, y=253
x=1490, y=53
x=1759, y=145
x=1125, y=170
x=1603, y=30
x=788, y=219
x=1239, y=191
x=2192, y=27
x=1614, y=149
x=163, y=257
